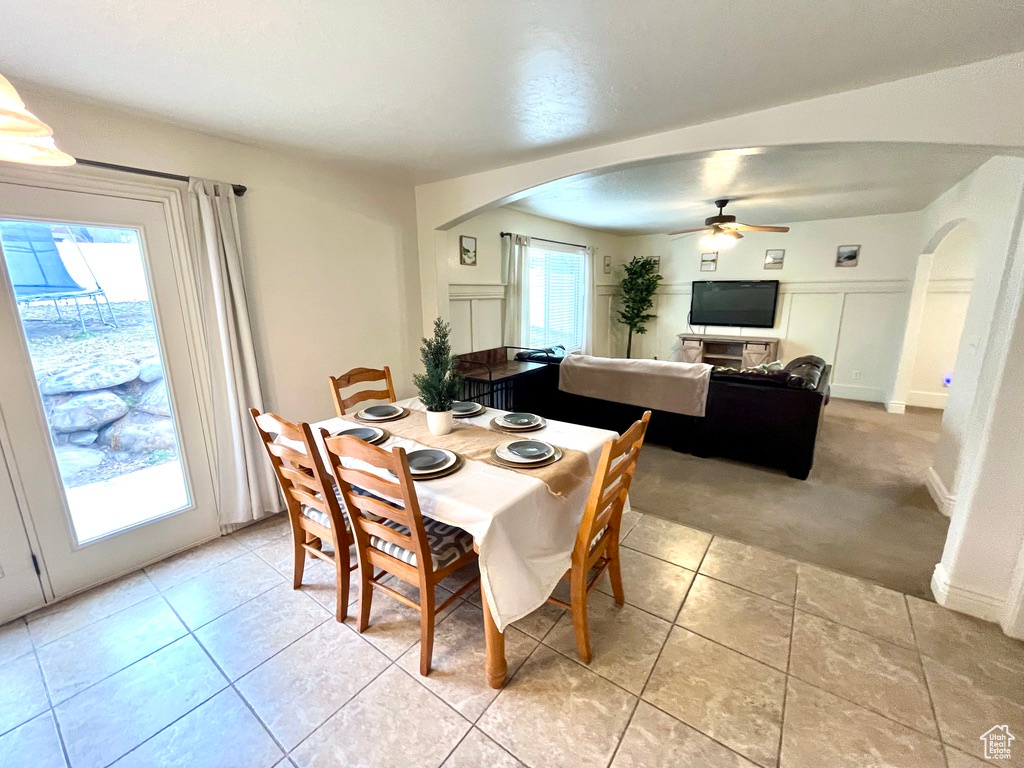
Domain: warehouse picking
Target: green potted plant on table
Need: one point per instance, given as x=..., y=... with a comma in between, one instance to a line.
x=439, y=385
x=638, y=287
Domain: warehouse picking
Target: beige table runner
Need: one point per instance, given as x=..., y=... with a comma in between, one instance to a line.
x=476, y=443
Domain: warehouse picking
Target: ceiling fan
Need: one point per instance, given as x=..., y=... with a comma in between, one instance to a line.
x=723, y=229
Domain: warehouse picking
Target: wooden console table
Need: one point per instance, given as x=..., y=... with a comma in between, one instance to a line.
x=730, y=351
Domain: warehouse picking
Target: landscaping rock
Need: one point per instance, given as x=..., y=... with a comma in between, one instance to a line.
x=140, y=433
x=83, y=439
x=154, y=400
x=151, y=369
x=74, y=460
x=88, y=411
x=90, y=376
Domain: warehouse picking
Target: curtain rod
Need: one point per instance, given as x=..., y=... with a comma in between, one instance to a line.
x=545, y=240
x=239, y=189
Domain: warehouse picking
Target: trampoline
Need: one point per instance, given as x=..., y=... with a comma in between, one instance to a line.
x=39, y=272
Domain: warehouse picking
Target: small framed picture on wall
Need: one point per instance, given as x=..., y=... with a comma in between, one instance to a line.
x=709, y=262
x=847, y=255
x=607, y=264
x=467, y=250
x=773, y=258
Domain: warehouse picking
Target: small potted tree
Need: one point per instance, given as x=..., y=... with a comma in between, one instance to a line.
x=638, y=287
x=439, y=385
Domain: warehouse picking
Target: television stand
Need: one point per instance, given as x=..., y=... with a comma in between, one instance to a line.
x=729, y=351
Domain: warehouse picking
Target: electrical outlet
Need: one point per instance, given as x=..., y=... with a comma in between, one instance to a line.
x=856, y=375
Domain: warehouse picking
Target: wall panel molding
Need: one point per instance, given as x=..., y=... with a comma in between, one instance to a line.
x=469, y=291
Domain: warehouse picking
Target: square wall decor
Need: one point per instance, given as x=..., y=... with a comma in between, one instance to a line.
x=709, y=262
x=773, y=259
x=847, y=255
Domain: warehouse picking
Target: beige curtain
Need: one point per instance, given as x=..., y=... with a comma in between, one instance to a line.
x=514, y=269
x=243, y=480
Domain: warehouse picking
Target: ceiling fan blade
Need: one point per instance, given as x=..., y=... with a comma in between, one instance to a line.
x=759, y=228
x=689, y=231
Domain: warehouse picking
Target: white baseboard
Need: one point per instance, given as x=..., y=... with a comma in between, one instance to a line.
x=937, y=490
x=857, y=392
x=967, y=601
x=893, y=406
x=928, y=399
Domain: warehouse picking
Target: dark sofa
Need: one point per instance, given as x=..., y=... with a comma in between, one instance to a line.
x=770, y=418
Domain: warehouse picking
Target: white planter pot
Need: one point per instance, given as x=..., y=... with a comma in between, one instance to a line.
x=439, y=422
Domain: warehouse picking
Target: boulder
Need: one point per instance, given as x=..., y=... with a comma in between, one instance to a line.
x=73, y=460
x=83, y=439
x=90, y=376
x=140, y=433
x=88, y=411
x=151, y=369
x=154, y=400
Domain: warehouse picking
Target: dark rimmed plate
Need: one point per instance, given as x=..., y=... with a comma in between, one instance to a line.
x=529, y=450
x=396, y=412
x=366, y=434
x=426, y=460
x=465, y=408
x=520, y=420
x=502, y=427
x=521, y=465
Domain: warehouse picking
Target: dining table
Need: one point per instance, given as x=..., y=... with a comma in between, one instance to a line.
x=523, y=532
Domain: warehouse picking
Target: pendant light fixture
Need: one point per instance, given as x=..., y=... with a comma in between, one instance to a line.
x=24, y=138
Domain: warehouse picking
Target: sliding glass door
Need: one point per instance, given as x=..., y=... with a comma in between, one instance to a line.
x=102, y=404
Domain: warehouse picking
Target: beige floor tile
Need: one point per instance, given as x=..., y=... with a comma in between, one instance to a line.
x=668, y=541
x=461, y=577
x=957, y=759
x=654, y=585
x=629, y=520
x=15, y=640
x=656, y=740
x=735, y=700
x=213, y=593
x=319, y=582
x=418, y=729
x=22, y=694
x=297, y=690
x=977, y=648
x=965, y=710
x=192, y=562
x=458, y=670
x=823, y=730
x=199, y=739
x=104, y=722
x=748, y=623
x=32, y=745
x=880, y=676
x=538, y=623
x=66, y=616
x=757, y=570
x=624, y=642
x=558, y=714
x=256, y=535
x=395, y=627
x=244, y=638
x=878, y=611
x=76, y=661
x=478, y=751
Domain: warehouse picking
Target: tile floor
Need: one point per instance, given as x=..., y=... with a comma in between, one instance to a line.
x=724, y=655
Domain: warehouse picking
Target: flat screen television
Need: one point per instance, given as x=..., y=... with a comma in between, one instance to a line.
x=745, y=303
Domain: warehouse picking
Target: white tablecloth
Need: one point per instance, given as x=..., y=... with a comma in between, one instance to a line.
x=525, y=534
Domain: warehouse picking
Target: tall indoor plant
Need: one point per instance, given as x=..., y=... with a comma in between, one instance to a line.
x=439, y=385
x=638, y=287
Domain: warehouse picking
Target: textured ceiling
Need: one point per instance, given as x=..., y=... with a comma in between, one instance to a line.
x=438, y=88
x=771, y=186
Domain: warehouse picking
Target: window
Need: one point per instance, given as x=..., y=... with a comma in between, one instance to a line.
x=556, y=298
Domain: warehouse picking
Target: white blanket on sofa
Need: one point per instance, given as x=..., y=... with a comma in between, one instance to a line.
x=659, y=384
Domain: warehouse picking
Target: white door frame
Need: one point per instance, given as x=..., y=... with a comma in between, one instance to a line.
x=169, y=195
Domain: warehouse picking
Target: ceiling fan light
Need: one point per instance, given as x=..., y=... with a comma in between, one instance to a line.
x=16, y=121
x=719, y=240
x=33, y=151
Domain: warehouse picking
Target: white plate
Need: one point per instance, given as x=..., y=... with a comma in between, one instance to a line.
x=379, y=416
x=534, y=421
x=504, y=453
x=450, y=458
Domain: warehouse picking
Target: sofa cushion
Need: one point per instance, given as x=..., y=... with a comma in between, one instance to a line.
x=761, y=377
x=805, y=372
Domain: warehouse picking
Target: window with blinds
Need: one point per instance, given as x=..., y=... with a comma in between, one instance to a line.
x=556, y=299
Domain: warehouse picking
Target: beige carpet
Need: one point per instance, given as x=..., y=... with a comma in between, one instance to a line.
x=863, y=511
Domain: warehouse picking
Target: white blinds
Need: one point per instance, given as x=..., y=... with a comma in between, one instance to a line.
x=556, y=297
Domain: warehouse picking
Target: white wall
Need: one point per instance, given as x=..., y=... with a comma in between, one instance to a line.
x=853, y=317
x=331, y=269
x=477, y=294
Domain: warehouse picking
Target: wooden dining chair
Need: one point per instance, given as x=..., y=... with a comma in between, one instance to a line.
x=393, y=536
x=360, y=376
x=597, y=542
x=315, y=509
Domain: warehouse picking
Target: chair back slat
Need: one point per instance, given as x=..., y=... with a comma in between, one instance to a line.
x=609, y=491
x=361, y=376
